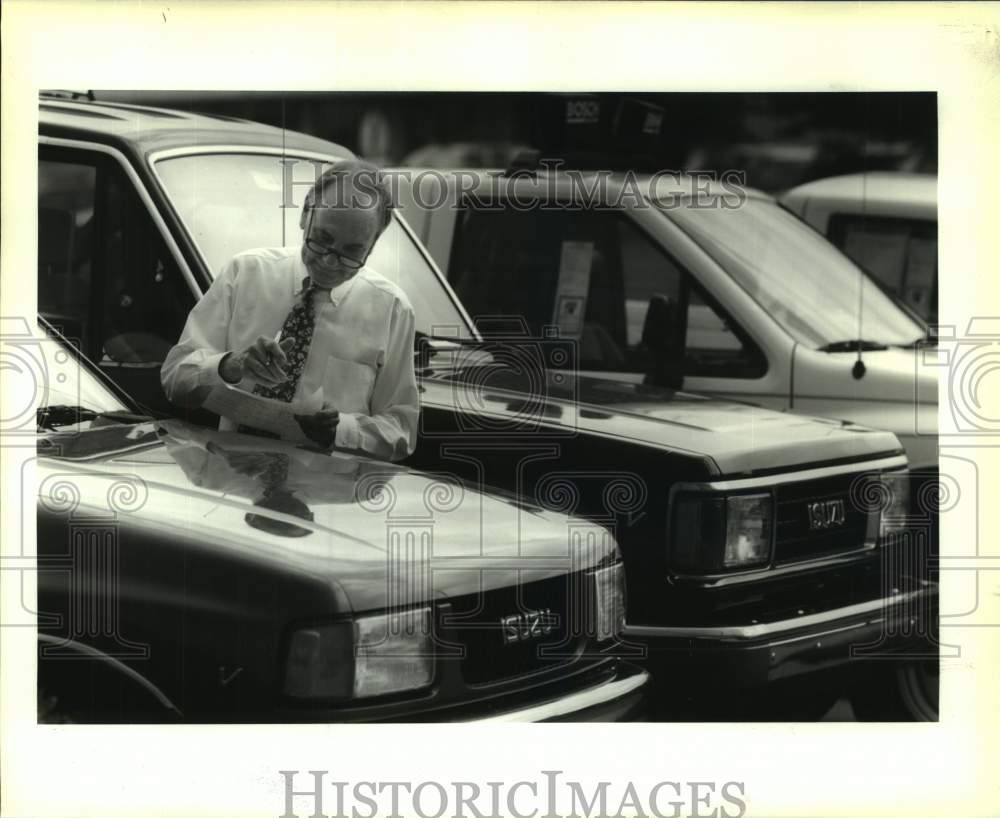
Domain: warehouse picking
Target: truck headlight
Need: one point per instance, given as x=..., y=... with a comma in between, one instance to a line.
x=609, y=601
x=896, y=508
x=371, y=656
x=394, y=653
x=721, y=533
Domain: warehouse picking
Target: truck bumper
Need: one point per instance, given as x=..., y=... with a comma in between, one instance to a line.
x=760, y=653
x=620, y=698
x=615, y=691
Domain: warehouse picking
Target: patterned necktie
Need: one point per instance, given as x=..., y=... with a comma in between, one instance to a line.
x=299, y=327
x=275, y=473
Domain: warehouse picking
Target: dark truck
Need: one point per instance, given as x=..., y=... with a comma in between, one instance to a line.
x=758, y=546
x=191, y=575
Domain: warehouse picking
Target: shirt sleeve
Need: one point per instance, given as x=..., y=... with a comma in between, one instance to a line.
x=192, y=365
x=390, y=431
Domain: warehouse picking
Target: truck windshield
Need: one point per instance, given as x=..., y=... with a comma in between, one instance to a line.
x=812, y=289
x=231, y=202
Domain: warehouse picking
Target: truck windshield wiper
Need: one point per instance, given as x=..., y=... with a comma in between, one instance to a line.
x=448, y=339
x=52, y=418
x=427, y=347
x=853, y=345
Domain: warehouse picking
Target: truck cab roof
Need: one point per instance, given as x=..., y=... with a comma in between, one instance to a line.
x=140, y=129
x=882, y=187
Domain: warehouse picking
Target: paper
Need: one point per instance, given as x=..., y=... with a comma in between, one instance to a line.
x=574, y=268
x=569, y=315
x=267, y=414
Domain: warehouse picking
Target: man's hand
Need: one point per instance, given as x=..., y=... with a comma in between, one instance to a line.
x=263, y=360
x=320, y=427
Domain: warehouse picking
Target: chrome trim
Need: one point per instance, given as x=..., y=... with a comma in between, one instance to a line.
x=748, y=633
x=442, y=279
x=208, y=150
x=75, y=144
x=134, y=675
x=195, y=150
x=861, y=467
x=575, y=702
x=756, y=573
x=824, y=634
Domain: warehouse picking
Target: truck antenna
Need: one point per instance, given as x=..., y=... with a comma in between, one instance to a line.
x=859, y=369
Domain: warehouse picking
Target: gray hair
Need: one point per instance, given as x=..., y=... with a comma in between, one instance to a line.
x=367, y=183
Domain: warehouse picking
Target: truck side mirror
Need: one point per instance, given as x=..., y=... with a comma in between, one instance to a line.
x=663, y=334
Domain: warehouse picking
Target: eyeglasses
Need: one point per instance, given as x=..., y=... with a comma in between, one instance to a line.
x=325, y=250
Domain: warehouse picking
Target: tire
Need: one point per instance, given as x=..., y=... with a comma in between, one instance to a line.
x=89, y=690
x=905, y=691
x=52, y=710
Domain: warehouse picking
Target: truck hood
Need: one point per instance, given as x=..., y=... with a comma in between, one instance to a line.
x=373, y=524
x=730, y=438
x=894, y=375
x=899, y=392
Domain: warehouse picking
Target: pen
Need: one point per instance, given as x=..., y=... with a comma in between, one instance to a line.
x=277, y=340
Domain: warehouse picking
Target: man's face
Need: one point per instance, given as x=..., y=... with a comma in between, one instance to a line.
x=350, y=232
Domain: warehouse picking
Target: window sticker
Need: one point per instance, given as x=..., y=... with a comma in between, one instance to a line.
x=575, y=260
x=569, y=315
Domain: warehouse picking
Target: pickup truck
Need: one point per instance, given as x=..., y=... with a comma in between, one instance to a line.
x=767, y=309
x=191, y=575
x=758, y=546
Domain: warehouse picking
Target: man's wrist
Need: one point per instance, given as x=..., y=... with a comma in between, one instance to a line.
x=329, y=432
x=320, y=427
x=331, y=437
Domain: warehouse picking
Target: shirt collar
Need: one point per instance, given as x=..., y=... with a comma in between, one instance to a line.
x=337, y=294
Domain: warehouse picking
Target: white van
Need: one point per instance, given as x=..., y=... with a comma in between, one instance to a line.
x=706, y=286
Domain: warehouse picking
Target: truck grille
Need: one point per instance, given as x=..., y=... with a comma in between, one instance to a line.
x=476, y=624
x=800, y=536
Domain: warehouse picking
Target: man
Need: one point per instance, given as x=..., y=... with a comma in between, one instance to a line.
x=344, y=330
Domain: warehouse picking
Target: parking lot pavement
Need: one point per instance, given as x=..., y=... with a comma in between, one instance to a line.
x=841, y=711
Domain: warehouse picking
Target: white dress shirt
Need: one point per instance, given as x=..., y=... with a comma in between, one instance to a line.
x=361, y=353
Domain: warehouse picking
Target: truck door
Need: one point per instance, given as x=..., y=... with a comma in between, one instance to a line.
x=593, y=274
x=106, y=279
